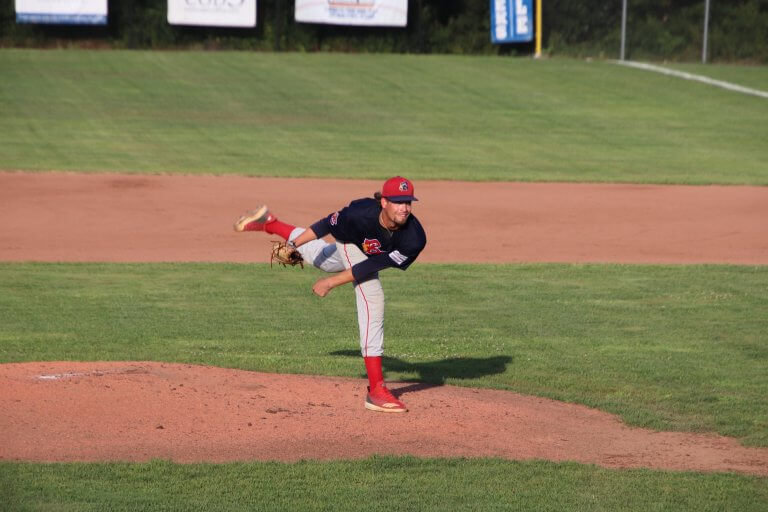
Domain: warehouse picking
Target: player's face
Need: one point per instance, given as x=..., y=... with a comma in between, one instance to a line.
x=395, y=213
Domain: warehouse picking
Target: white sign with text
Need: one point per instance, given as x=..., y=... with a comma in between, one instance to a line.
x=65, y=12
x=384, y=13
x=214, y=13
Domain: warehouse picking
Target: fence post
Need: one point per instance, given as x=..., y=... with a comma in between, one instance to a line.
x=706, y=32
x=623, y=27
x=538, y=29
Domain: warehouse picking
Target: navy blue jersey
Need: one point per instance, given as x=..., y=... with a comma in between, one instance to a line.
x=359, y=224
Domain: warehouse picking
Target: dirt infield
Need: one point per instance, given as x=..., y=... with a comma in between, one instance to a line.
x=71, y=217
x=138, y=411
x=67, y=411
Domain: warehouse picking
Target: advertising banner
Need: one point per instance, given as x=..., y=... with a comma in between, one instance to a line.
x=214, y=13
x=383, y=13
x=63, y=12
x=511, y=21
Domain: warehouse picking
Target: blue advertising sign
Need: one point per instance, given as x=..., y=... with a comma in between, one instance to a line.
x=511, y=21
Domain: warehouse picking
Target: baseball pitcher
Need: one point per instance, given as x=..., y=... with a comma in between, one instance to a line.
x=371, y=234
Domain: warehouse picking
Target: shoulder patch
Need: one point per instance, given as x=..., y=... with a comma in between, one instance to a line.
x=398, y=257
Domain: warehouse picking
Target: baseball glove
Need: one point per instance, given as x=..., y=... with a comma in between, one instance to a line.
x=285, y=254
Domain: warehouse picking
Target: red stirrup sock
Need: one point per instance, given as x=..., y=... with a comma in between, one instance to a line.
x=277, y=227
x=375, y=373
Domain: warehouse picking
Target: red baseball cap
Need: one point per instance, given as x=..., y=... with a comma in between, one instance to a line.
x=398, y=189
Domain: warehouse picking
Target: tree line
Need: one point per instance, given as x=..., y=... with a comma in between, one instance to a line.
x=656, y=29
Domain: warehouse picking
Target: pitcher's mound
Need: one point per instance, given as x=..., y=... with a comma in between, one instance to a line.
x=137, y=411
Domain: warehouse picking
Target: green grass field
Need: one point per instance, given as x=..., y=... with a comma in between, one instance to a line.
x=670, y=347
x=378, y=484
x=331, y=115
x=666, y=347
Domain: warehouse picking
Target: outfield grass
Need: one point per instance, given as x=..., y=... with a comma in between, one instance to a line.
x=665, y=347
x=365, y=116
x=375, y=484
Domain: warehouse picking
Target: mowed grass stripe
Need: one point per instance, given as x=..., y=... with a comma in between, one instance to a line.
x=365, y=116
x=375, y=484
x=666, y=347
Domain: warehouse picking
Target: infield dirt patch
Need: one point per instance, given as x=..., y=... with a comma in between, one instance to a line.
x=138, y=411
x=66, y=411
x=80, y=217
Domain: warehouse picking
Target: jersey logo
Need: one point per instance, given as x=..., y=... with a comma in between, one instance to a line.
x=371, y=246
x=335, y=219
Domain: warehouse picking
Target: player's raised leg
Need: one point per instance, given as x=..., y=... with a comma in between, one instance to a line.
x=319, y=253
x=261, y=219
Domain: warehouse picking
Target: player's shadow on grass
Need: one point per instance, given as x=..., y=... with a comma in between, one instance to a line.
x=434, y=373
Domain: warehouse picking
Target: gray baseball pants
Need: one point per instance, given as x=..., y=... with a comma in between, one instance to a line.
x=339, y=256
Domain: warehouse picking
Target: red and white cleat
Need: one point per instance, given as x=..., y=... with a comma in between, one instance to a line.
x=254, y=220
x=381, y=400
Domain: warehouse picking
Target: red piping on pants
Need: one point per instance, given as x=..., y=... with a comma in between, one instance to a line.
x=367, y=312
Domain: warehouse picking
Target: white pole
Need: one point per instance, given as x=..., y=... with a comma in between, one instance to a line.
x=623, y=27
x=706, y=32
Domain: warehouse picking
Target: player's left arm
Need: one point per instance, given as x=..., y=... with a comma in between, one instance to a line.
x=362, y=271
x=323, y=286
x=307, y=236
x=401, y=256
